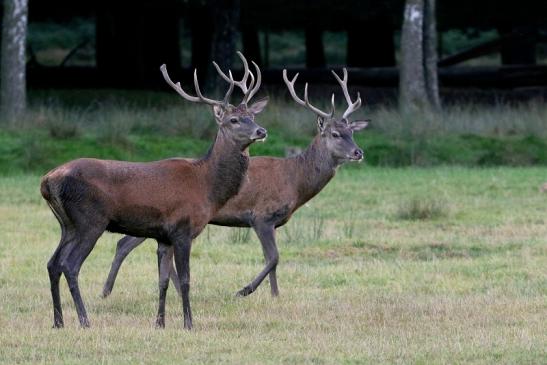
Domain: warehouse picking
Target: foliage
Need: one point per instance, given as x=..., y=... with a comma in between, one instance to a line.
x=458, y=40
x=150, y=126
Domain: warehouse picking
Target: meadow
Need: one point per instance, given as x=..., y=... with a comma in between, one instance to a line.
x=386, y=265
x=432, y=251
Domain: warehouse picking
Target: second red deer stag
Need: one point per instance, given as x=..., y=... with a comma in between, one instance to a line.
x=170, y=200
x=277, y=187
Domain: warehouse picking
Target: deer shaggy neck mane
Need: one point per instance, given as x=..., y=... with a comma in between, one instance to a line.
x=226, y=164
x=317, y=167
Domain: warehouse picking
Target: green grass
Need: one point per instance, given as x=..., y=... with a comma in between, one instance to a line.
x=358, y=283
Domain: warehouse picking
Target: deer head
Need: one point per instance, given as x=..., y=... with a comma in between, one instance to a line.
x=335, y=133
x=236, y=122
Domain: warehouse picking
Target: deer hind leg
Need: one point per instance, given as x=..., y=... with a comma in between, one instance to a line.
x=54, y=267
x=266, y=235
x=124, y=247
x=72, y=257
x=165, y=259
x=55, y=270
x=173, y=274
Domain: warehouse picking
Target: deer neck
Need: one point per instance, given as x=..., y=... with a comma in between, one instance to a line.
x=226, y=164
x=316, y=167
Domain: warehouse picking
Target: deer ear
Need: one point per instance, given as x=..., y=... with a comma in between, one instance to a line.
x=218, y=111
x=358, y=125
x=321, y=124
x=258, y=106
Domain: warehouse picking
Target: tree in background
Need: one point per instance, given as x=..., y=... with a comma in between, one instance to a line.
x=13, y=76
x=226, y=23
x=419, y=87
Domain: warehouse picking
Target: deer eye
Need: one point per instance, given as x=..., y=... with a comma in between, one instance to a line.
x=335, y=134
x=233, y=120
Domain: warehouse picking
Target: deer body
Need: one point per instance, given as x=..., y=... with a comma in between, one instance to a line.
x=274, y=189
x=169, y=194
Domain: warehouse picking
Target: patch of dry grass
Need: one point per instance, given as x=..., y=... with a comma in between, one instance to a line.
x=468, y=287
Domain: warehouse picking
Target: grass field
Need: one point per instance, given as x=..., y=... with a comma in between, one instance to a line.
x=362, y=279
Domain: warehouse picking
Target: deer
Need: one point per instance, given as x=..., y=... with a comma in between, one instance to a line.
x=276, y=187
x=170, y=200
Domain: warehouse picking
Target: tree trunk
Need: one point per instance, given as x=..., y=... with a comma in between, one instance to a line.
x=315, y=52
x=251, y=44
x=412, y=91
x=419, y=86
x=518, y=50
x=13, y=73
x=131, y=44
x=430, y=55
x=371, y=44
x=226, y=21
x=201, y=23
x=266, y=49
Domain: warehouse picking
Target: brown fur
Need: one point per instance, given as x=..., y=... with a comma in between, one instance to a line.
x=273, y=190
x=170, y=200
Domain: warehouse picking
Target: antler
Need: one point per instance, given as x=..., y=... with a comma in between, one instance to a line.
x=352, y=106
x=248, y=90
x=200, y=98
x=305, y=102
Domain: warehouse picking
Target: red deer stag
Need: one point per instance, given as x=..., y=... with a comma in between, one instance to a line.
x=170, y=200
x=277, y=187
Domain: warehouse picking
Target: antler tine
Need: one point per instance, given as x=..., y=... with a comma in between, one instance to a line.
x=311, y=107
x=305, y=102
x=177, y=86
x=290, y=86
x=222, y=74
x=200, y=95
x=246, y=72
x=352, y=106
x=196, y=99
x=248, y=90
x=230, y=89
x=254, y=89
x=246, y=94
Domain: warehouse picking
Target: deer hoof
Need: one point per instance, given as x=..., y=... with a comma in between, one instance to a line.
x=105, y=293
x=244, y=292
x=160, y=323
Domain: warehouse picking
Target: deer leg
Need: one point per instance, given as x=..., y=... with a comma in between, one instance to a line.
x=182, y=260
x=54, y=276
x=54, y=269
x=165, y=254
x=173, y=274
x=266, y=235
x=73, y=257
x=124, y=247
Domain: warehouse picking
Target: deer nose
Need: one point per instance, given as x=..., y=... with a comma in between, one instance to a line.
x=261, y=133
x=358, y=153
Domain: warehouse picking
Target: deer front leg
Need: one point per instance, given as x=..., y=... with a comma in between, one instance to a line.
x=123, y=248
x=266, y=235
x=182, y=247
